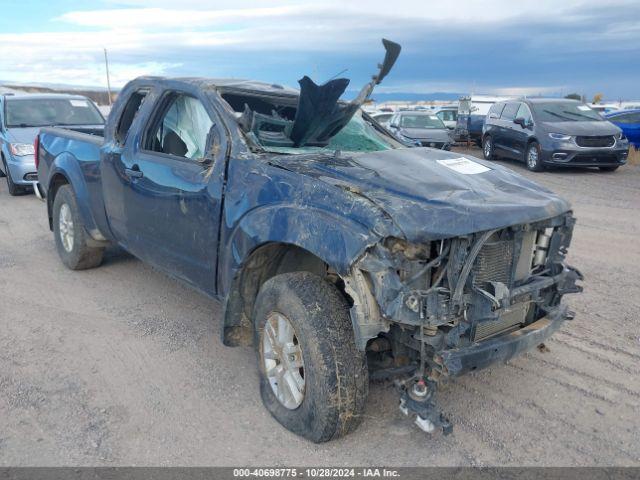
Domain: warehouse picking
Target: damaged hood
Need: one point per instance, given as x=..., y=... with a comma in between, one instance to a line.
x=432, y=194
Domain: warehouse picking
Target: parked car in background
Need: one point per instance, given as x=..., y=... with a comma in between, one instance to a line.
x=21, y=117
x=603, y=108
x=629, y=122
x=472, y=111
x=421, y=128
x=449, y=115
x=382, y=117
x=553, y=132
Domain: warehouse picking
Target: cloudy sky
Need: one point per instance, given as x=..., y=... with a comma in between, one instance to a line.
x=490, y=46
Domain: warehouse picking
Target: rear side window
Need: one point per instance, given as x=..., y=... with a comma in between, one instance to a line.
x=496, y=110
x=510, y=110
x=447, y=115
x=129, y=114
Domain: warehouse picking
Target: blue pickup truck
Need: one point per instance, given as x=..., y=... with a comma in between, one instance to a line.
x=336, y=252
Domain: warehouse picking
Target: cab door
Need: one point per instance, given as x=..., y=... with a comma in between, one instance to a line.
x=115, y=160
x=176, y=182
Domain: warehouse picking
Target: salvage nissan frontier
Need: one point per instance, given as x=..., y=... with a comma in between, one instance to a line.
x=338, y=252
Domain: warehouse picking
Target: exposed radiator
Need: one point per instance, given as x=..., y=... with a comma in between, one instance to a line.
x=494, y=263
x=514, y=315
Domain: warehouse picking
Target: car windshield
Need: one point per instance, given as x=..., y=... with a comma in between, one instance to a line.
x=565, y=112
x=421, y=121
x=357, y=136
x=41, y=112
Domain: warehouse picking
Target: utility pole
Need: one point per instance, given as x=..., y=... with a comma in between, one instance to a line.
x=106, y=64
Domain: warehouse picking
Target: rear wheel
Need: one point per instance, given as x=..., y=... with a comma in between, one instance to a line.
x=313, y=379
x=70, y=235
x=532, y=157
x=487, y=148
x=609, y=169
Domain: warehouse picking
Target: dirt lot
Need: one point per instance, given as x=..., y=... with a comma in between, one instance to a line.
x=123, y=366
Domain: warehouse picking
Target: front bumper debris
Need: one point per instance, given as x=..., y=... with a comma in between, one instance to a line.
x=500, y=349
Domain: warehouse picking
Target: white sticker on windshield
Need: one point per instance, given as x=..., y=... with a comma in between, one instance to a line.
x=463, y=165
x=584, y=108
x=79, y=103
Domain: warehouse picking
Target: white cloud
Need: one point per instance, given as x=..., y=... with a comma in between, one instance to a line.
x=155, y=37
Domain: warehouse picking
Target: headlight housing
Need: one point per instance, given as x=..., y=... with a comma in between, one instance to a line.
x=560, y=136
x=621, y=137
x=21, y=149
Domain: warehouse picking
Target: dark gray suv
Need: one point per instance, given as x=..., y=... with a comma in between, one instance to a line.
x=553, y=132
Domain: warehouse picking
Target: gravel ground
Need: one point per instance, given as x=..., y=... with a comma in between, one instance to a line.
x=123, y=366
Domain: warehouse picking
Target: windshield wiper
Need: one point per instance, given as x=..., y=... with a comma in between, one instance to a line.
x=559, y=116
x=579, y=115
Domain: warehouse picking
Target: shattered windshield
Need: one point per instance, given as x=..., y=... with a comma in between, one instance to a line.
x=357, y=136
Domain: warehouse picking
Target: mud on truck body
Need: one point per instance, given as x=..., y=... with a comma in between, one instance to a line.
x=336, y=252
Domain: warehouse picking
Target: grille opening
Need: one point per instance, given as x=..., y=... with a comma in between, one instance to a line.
x=596, y=141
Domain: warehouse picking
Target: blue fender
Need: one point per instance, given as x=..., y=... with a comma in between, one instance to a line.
x=67, y=165
x=332, y=238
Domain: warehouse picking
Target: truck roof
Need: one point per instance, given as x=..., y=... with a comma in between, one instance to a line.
x=224, y=84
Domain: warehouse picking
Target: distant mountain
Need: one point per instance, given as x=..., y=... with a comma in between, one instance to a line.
x=97, y=94
x=410, y=97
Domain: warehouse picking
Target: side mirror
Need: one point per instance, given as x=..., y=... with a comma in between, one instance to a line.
x=520, y=121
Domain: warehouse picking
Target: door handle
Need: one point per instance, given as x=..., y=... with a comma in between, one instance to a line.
x=133, y=172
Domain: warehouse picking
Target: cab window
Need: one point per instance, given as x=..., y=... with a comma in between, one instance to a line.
x=182, y=130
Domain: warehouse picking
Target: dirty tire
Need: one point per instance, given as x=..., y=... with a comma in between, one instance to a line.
x=81, y=256
x=335, y=371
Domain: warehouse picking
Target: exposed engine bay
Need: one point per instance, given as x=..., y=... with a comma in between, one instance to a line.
x=310, y=117
x=450, y=307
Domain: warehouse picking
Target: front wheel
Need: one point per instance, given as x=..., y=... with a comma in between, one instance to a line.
x=70, y=235
x=532, y=157
x=14, y=190
x=313, y=379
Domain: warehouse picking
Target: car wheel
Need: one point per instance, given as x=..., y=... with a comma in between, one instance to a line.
x=14, y=190
x=70, y=235
x=532, y=157
x=609, y=169
x=487, y=148
x=313, y=379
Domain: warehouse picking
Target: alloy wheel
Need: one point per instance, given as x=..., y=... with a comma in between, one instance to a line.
x=65, y=224
x=282, y=360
